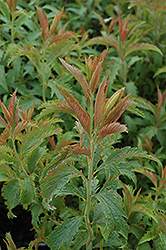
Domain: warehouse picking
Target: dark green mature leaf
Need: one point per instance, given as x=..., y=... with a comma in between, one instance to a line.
x=11, y=193
x=64, y=233
x=124, y=153
x=56, y=179
x=71, y=189
x=28, y=191
x=111, y=206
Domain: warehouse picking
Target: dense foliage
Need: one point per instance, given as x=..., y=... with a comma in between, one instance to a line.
x=83, y=122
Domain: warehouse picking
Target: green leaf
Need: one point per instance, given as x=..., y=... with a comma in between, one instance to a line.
x=131, y=89
x=10, y=243
x=56, y=179
x=141, y=46
x=64, y=233
x=147, y=237
x=28, y=191
x=11, y=193
x=71, y=189
x=118, y=155
x=160, y=71
x=3, y=82
x=111, y=207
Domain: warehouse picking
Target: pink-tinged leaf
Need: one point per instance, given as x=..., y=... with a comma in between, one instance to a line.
x=31, y=110
x=61, y=37
x=52, y=142
x=125, y=31
x=56, y=20
x=116, y=111
x=140, y=47
x=11, y=106
x=44, y=23
x=76, y=109
x=120, y=24
x=4, y=136
x=164, y=98
x=94, y=81
x=126, y=22
x=79, y=77
x=148, y=174
x=112, y=24
x=6, y=114
x=21, y=126
x=100, y=101
x=12, y=5
x=2, y=121
x=127, y=104
x=80, y=151
x=113, y=43
x=111, y=129
x=159, y=96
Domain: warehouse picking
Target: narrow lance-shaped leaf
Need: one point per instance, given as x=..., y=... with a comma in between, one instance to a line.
x=78, y=76
x=76, y=108
x=148, y=174
x=6, y=114
x=12, y=105
x=115, y=111
x=111, y=129
x=100, y=101
x=94, y=81
x=12, y=5
x=44, y=23
x=56, y=20
x=141, y=46
x=61, y=37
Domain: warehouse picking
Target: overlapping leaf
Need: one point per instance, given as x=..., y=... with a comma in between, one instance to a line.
x=57, y=178
x=76, y=109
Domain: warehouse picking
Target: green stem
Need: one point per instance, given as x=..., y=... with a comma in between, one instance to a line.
x=12, y=29
x=18, y=158
x=43, y=75
x=89, y=183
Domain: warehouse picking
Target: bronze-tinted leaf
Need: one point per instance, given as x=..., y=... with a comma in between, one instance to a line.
x=100, y=101
x=44, y=23
x=61, y=37
x=111, y=129
x=12, y=105
x=115, y=112
x=12, y=5
x=6, y=114
x=76, y=109
x=78, y=76
x=80, y=151
x=56, y=20
x=94, y=81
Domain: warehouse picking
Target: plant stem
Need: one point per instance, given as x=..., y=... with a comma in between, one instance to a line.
x=18, y=158
x=12, y=30
x=43, y=75
x=89, y=183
